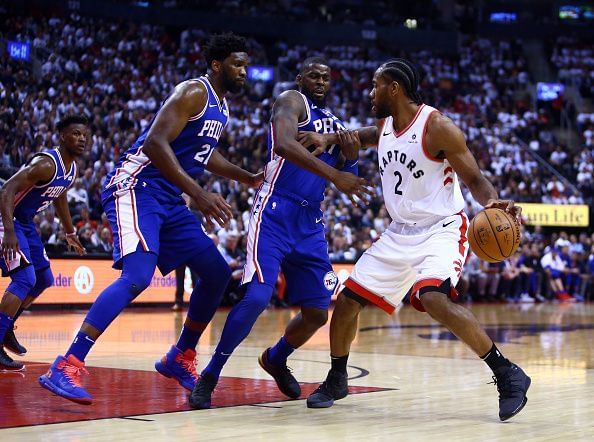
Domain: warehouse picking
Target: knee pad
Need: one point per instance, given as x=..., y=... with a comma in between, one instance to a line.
x=258, y=295
x=45, y=279
x=22, y=282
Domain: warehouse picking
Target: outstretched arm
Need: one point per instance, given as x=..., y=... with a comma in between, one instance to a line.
x=288, y=110
x=63, y=212
x=40, y=170
x=443, y=136
x=220, y=166
x=188, y=99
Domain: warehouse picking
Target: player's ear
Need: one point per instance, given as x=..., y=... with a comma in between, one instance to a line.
x=298, y=79
x=216, y=66
x=395, y=88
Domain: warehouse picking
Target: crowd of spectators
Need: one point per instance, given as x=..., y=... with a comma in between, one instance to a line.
x=118, y=73
x=574, y=58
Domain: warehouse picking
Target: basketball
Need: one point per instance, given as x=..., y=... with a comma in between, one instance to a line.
x=494, y=235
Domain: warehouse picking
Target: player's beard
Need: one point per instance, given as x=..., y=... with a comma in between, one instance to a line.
x=233, y=87
x=381, y=111
x=321, y=102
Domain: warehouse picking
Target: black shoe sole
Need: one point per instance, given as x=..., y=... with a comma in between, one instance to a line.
x=522, y=405
x=14, y=351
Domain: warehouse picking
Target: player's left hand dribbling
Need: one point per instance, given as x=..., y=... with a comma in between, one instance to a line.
x=508, y=205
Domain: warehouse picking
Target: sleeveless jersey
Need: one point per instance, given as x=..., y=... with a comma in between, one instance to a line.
x=286, y=177
x=192, y=147
x=418, y=188
x=37, y=198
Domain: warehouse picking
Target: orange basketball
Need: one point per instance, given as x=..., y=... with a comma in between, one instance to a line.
x=494, y=235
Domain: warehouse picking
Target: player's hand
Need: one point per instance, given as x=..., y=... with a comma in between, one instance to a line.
x=256, y=179
x=352, y=185
x=10, y=245
x=508, y=205
x=349, y=143
x=74, y=244
x=318, y=141
x=214, y=208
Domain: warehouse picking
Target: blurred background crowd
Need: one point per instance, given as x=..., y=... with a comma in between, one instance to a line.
x=117, y=72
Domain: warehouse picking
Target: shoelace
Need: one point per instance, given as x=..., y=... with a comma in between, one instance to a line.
x=73, y=373
x=504, y=386
x=189, y=365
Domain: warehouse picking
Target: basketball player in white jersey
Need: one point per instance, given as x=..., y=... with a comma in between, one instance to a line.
x=421, y=154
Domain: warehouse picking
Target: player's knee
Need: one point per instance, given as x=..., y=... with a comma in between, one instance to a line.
x=315, y=318
x=349, y=303
x=434, y=303
x=22, y=282
x=45, y=279
x=138, y=281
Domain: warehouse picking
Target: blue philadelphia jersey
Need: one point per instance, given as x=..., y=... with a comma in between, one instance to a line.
x=38, y=197
x=287, y=177
x=192, y=147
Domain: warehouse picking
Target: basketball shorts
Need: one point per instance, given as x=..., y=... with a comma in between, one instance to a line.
x=31, y=249
x=406, y=259
x=140, y=222
x=286, y=233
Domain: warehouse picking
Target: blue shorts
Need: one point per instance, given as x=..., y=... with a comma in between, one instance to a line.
x=287, y=233
x=32, y=251
x=140, y=222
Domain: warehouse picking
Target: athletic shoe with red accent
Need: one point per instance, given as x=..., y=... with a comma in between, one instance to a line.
x=179, y=366
x=9, y=364
x=285, y=381
x=565, y=297
x=63, y=379
x=11, y=344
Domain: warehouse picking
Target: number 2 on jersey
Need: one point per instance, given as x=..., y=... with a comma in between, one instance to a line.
x=203, y=153
x=398, y=183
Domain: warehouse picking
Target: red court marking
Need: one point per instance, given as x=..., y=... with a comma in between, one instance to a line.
x=121, y=393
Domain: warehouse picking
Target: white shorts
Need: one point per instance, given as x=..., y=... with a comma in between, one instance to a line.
x=408, y=258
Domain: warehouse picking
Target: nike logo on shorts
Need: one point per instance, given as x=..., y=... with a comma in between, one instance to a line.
x=447, y=224
x=319, y=220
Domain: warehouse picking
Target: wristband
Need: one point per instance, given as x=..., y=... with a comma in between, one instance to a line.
x=71, y=234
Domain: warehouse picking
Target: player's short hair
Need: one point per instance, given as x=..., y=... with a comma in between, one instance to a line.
x=220, y=46
x=312, y=60
x=406, y=74
x=71, y=119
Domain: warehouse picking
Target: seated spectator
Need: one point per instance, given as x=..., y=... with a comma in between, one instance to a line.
x=554, y=267
x=105, y=241
x=77, y=195
x=236, y=260
x=530, y=274
x=510, y=279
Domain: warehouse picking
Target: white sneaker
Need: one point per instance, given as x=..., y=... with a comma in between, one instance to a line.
x=525, y=297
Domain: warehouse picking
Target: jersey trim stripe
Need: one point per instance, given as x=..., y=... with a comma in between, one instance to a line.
x=307, y=111
x=195, y=117
x=63, y=165
x=424, y=144
x=403, y=131
x=50, y=156
x=21, y=195
x=377, y=300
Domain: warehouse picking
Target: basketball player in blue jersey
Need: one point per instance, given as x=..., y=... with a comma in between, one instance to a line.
x=286, y=231
x=153, y=227
x=43, y=180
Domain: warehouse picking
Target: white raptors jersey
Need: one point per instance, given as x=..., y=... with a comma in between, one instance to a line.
x=418, y=188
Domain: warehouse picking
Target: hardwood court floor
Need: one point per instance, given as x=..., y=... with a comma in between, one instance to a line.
x=413, y=379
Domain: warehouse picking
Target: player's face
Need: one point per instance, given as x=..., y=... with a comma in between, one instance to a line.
x=74, y=138
x=234, y=71
x=380, y=96
x=314, y=82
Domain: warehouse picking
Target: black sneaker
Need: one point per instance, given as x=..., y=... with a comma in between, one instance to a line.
x=512, y=384
x=7, y=363
x=285, y=381
x=200, y=396
x=335, y=387
x=11, y=344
